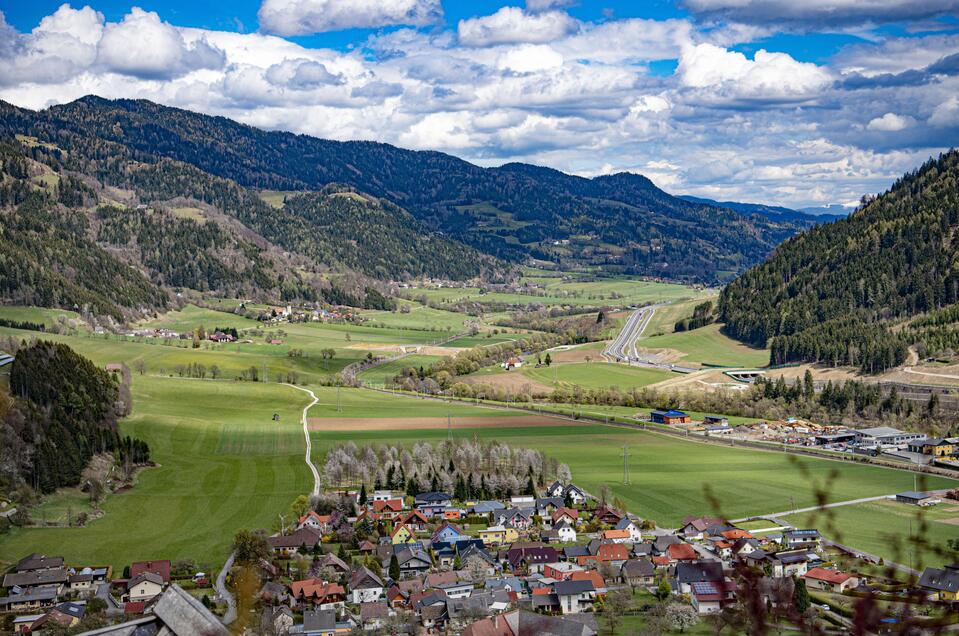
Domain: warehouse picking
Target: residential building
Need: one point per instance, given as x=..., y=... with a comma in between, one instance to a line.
x=830, y=580
x=942, y=583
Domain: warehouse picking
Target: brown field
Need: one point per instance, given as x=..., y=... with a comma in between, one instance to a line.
x=576, y=354
x=514, y=381
x=422, y=423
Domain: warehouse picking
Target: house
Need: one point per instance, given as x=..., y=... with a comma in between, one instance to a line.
x=531, y=559
x=712, y=597
x=320, y=593
x=681, y=552
x=523, y=622
x=613, y=553
x=942, y=583
x=144, y=586
x=65, y=615
x=574, y=494
x=575, y=596
x=546, y=506
x=599, y=584
x=456, y=589
x=365, y=586
x=695, y=527
x=388, y=508
x=794, y=562
x=383, y=495
x=494, y=536
x=373, y=616
x=635, y=535
x=402, y=534
x=556, y=489
x=569, y=515
x=636, y=572
x=935, y=446
x=561, y=570
x=669, y=417
x=917, y=498
x=286, y=544
x=81, y=583
x=56, y=577
x=802, y=538
x=688, y=573
x=413, y=561
x=23, y=624
x=616, y=536
x=565, y=533
x=447, y=533
x=414, y=520
x=35, y=562
x=276, y=620
x=512, y=363
x=486, y=507
x=432, y=503
x=320, y=622
x=29, y=599
x=606, y=514
x=830, y=580
x=314, y=520
x=515, y=518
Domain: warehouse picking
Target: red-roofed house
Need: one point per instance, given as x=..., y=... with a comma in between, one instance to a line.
x=830, y=580
x=593, y=577
x=161, y=568
x=389, y=508
x=615, y=553
x=617, y=536
x=681, y=552
x=314, y=520
x=320, y=593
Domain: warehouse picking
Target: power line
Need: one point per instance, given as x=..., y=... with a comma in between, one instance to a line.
x=625, y=465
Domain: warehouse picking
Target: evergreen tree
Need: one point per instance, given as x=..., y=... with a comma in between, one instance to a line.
x=363, y=499
x=800, y=596
x=394, y=569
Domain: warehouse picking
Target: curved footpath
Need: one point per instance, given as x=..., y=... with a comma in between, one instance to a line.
x=306, y=435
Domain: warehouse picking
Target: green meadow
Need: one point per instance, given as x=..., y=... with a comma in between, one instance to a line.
x=708, y=346
x=596, y=375
x=913, y=536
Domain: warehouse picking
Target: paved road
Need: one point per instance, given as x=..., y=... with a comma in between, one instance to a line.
x=797, y=511
x=220, y=586
x=623, y=347
x=306, y=435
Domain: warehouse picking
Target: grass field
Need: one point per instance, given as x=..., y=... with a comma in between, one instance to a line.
x=39, y=315
x=419, y=317
x=191, y=317
x=708, y=346
x=595, y=375
x=883, y=528
x=386, y=372
x=223, y=465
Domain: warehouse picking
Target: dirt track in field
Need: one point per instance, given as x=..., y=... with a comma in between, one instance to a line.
x=424, y=423
x=513, y=381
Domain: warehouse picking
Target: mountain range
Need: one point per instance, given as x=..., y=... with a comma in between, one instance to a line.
x=511, y=214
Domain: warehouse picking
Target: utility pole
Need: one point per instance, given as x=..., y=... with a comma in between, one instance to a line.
x=337, y=399
x=625, y=465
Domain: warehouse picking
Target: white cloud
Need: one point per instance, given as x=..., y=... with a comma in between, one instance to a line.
x=529, y=58
x=144, y=46
x=890, y=122
x=830, y=13
x=511, y=25
x=301, y=74
x=946, y=114
x=545, y=5
x=767, y=75
x=300, y=17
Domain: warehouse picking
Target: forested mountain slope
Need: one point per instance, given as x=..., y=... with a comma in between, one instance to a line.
x=835, y=292
x=622, y=222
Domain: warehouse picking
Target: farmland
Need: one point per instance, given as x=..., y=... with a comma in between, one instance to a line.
x=884, y=527
x=595, y=375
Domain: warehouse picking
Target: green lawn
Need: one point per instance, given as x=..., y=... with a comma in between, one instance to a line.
x=595, y=375
x=708, y=346
x=223, y=465
x=482, y=339
x=418, y=317
x=191, y=317
x=883, y=528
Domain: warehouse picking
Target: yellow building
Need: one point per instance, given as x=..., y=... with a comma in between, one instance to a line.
x=402, y=534
x=933, y=446
x=498, y=535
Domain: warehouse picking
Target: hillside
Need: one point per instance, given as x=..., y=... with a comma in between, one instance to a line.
x=837, y=292
x=773, y=212
x=621, y=222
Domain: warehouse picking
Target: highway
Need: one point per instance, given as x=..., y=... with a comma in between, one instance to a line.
x=623, y=347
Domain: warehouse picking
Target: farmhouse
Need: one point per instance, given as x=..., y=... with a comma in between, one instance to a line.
x=943, y=583
x=144, y=587
x=830, y=580
x=917, y=498
x=669, y=417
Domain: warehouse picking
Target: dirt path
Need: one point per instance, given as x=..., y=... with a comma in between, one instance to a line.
x=427, y=423
x=306, y=434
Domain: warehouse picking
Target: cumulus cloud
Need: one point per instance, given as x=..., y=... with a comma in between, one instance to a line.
x=890, y=122
x=818, y=13
x=946, y=114
x=144, y=46
x=302, y=74
x=545, y=5
x=300, y=17
x=511, y=25
x=767, y=75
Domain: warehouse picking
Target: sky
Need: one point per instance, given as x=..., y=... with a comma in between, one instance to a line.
x=791, y=102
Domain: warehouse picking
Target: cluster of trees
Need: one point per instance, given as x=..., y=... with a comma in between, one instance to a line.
x=578, y=324
x=182, y=252
x=47, y=260
x=463, y=468
x=703, y=314
x=62, y=409
x=23, y=324
x=832, y=293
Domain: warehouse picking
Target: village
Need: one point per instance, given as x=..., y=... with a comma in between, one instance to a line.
x=560, y=561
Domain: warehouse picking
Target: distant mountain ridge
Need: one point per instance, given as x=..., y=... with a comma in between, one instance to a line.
x=621, y=223
x=801, y=217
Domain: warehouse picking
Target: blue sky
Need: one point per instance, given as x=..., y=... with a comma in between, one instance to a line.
x=794, y=103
